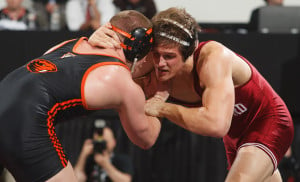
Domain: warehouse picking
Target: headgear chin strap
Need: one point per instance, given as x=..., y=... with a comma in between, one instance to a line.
x=133, y=65
x=136, y=44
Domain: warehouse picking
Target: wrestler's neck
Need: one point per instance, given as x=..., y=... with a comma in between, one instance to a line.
x=85, y=48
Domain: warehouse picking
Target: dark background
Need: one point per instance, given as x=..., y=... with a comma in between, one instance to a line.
x=178, y=154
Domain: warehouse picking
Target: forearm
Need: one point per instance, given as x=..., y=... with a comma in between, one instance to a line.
x=146, y=137
x=79, y=168
x=153, y=130
x=197, y=120
x=81, y=162
x=144, y=132
x=116, y=175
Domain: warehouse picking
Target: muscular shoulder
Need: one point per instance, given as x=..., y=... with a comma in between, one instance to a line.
x=108, y=86
x=215, y=60
x=212, y=47
x=214, y=53
x=122, y=81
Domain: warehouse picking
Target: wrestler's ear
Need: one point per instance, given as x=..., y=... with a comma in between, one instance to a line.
x=138, y=44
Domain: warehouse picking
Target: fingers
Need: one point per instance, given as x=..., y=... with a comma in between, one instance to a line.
x=150, y=111
x=162, y=95
x=88, y=141
x=105, y=37
x=96, y=39
x=88, y=146
x=113, y=35
x=102, y=44
x=153, y=106
x=107, y=25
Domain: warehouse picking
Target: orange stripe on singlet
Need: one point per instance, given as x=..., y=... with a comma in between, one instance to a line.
x=58, y=46
x=51, y=130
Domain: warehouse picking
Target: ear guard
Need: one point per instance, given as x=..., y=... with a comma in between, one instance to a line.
x=137, y=43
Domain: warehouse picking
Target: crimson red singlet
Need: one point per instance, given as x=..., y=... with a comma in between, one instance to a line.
x=260, y=118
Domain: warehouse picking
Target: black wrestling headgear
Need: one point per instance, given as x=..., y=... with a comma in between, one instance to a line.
x=137, y=43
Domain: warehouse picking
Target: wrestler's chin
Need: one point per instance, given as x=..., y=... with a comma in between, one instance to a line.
x=163, y=76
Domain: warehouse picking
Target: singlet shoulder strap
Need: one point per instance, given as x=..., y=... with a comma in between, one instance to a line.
x=197, y=87
x=73, y=41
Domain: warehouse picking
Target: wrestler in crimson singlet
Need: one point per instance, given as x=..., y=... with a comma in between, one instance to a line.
x=35, y=97
x=260, y=117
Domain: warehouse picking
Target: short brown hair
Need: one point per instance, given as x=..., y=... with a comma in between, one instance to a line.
x=128, y=20
x=175, y=27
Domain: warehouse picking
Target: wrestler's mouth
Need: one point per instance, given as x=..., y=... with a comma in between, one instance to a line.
x=162, y=70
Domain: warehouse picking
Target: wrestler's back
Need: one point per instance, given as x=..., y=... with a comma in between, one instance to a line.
x=34, y=98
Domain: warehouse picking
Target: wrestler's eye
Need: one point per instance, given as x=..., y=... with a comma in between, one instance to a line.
x=169, y=56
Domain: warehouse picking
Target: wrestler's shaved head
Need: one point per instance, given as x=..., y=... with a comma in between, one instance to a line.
x=129, y=20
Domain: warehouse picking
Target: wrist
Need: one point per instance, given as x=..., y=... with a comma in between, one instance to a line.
x=84, y=155
x=159, y=97
x=105, y=164
x=165, y=109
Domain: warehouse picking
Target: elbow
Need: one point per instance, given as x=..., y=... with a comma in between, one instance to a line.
x=145, y=145
x=219, y=132
x=149, y=135
x=211, y=131
x=143, y=142
x=145, y=137
x=220, y=128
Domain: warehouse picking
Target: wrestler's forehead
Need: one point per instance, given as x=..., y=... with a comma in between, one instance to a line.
x=166, y=49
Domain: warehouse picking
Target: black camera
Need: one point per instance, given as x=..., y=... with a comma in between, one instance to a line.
x=99, y=146
x=99, y=143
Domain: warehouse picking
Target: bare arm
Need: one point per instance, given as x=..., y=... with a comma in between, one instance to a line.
x=143, y=130
x=87, y=149
x=112, y=87
x=214, y=117
x=104, y=160
x=116, y=175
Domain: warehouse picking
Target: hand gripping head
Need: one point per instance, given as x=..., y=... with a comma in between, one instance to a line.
x=137, y=43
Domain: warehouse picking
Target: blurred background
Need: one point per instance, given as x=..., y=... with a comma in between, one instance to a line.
x=208, y=11
x=266, y=34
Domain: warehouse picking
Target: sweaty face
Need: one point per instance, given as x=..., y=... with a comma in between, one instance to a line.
x=167, y=62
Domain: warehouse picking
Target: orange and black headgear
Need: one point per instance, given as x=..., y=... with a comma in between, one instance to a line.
x=137, y=43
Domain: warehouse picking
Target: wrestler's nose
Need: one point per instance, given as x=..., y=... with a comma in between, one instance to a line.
x=162, y=61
